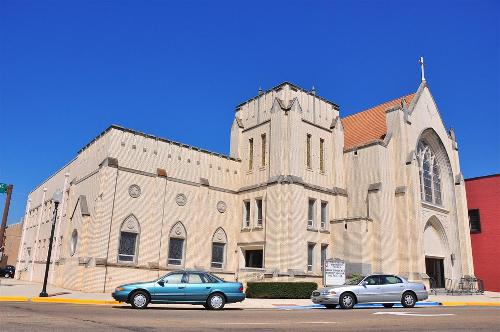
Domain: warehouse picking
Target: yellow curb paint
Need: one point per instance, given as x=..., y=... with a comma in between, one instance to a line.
x=13, y=299
x=72, y=301
x=482, y=304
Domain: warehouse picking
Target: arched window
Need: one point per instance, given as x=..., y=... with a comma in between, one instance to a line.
x=430, y=175
x=129, y=239
x=177, y=244
x=219, y=241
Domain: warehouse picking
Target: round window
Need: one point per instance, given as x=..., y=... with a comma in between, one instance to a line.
x=74, y=242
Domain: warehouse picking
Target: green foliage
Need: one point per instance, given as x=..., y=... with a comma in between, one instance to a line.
x=280, y=290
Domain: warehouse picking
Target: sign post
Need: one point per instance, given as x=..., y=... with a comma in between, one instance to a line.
x=334, y=272
x=4, y=189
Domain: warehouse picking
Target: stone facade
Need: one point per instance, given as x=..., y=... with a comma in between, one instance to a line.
x=12, y=239
x=290, y=194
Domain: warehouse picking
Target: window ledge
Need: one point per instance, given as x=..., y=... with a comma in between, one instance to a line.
x=258, y=228
x=312, y=229
x=435, y=207
x=309, y=169
x=246, y=229
x=325, y=231
x=262, y=168
x=131, y=264
x=249, y=172
x=252, y=269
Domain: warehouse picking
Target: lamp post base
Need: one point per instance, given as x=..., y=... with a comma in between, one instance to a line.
x=43, y=294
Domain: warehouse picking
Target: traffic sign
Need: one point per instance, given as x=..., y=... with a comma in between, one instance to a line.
x=3, y=188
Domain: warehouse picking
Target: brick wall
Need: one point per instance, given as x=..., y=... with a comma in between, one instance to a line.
x=484, y=194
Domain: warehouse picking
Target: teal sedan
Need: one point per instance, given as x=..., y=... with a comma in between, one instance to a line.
x=182, y=287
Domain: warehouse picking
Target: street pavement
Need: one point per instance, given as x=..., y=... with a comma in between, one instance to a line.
x=27, y=316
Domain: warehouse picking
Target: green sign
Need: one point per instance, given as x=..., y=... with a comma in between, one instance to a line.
x=3, y=188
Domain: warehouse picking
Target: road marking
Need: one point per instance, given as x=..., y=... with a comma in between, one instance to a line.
x=410, y=314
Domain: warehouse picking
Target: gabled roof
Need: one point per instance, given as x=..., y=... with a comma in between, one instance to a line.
x=369, y=125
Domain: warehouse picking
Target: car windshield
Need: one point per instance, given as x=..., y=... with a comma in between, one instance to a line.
x=354, y=280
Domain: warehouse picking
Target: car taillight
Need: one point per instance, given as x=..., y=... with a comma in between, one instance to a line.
x=241, y=288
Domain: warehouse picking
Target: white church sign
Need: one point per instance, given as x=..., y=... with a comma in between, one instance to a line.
x=334, y=272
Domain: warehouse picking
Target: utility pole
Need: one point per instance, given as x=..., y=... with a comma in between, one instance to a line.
x=4, y=188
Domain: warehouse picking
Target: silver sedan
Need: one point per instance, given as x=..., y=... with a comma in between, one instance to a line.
x=377, y=288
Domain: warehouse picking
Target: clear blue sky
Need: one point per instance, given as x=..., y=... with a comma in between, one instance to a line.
x=177, y=69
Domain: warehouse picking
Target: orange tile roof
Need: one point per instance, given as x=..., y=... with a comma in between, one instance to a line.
x=369, y=125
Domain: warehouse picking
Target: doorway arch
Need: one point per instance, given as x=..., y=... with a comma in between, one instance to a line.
x=436, y=251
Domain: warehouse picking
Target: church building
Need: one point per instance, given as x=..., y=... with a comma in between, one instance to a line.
x=381, y=189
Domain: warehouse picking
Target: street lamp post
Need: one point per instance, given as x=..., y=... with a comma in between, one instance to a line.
x=56, y=198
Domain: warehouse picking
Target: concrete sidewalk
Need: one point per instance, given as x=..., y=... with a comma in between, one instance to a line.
x=18, y=290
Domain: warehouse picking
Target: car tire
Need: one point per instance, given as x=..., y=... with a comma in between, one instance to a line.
x=330, y=306
x=408, y=300
x=6, y=275
x=388, y=305
x=139, y=300
x=216, y=301
x=347, y=301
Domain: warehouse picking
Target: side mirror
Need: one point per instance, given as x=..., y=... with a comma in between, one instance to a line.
x=161, y=283
x=364, y=283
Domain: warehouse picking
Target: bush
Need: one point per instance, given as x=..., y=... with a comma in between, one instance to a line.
x=280, y=290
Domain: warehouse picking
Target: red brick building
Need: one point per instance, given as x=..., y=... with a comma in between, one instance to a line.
x=483, y=201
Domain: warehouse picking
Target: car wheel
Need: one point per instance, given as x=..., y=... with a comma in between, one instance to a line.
x=347, y=301
x=388, y=305
x=216, y=301
x=409, y=300
x=330, y=306
x=6, y=275
x=139, y=300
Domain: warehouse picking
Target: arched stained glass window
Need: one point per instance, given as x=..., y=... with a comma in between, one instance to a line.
x=430, y=175
x=129, y=239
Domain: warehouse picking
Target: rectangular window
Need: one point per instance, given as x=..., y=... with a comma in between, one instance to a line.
x=310, y=257
x=258, y=202
x=324, y=214
x=324, y=248
x=474, y=221
x=246, y=214
x=126, y=251
x=311, y=211
x=321, y=155
x=250, y=154
x=308, y=151
x=254, y=258
x=263, y=152
x=218, y=255
x=175, y=251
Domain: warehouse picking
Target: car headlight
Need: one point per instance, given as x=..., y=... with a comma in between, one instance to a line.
x=119, y=289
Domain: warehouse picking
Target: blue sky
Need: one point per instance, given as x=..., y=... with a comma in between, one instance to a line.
x=69, y=69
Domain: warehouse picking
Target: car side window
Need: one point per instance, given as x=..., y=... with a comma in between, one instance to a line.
x=174, y=278
x=373, y=280
x=392, y=280
x=195, y=278
x=211, y=279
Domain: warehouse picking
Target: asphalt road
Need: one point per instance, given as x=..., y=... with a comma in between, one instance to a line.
x=63, y=317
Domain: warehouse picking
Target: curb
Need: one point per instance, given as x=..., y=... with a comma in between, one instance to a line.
x=14, y=299
x=471, y=304
x=72, y=301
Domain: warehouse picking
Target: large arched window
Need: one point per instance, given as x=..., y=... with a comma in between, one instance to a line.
x=219, y=241
x=129, y=239
x=177, y=244
x=430, y=175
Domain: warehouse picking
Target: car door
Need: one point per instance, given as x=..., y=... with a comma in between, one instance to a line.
x=171, y=288
x=197, y=287
x=369, y=290
x=392, y=288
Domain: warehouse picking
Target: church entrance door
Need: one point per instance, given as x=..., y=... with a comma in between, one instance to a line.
x=435, y=270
